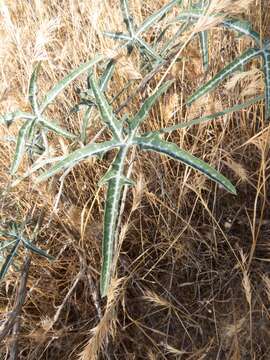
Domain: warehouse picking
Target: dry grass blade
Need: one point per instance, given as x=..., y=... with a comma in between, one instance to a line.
x=20, y=298
x=106, y=327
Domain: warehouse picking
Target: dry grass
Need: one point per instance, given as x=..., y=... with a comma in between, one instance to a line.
x=193, y=269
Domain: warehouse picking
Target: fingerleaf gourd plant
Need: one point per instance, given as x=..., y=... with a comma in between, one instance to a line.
x=125, y=132
x=123, y=138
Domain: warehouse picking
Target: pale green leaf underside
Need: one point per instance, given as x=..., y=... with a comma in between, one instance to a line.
x=155, y=143
x=35, y=167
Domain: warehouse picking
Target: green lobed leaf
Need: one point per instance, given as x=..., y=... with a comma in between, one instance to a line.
x=6, y=244
x=128, y=20
x=115, y=186
x=204, y=49
x=199, y=120
x=155, y=17
x=104, y=80
x=51, y=95
x=266, y=65
x=127, y=17
x=133, y=37
x=56, y=128
x=169, y=44
x=224, y=73
x=112, y=173
x=88, y=96
x=33, y=90
x=30, y=246
x=146, y=107
x=20, y=145
x=8, y=118
x=155, y=143
x=9, y=259
x=105, y=109
x=243, y=27
x=78, y=155
x=107, y=75
x=117, y=36
x=145, y=48
x=36, y=166
x=103, y=83
x=201, y=6
x=85, y=123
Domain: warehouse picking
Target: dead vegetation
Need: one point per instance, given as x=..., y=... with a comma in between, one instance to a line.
x=193, y=276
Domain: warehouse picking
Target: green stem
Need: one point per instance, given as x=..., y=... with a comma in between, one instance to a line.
x=115, y=186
